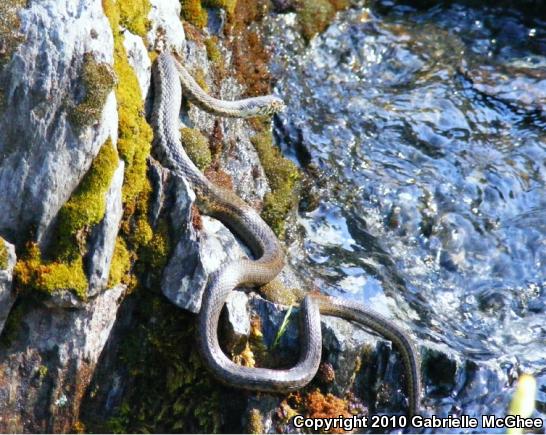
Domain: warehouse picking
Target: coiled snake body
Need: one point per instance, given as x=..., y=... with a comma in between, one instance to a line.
x=168, y=75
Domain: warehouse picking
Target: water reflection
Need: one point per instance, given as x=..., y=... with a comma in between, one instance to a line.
x=433, y=204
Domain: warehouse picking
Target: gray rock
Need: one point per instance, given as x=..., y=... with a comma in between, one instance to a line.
x=48, y=365
x=138, y=58
x=7, y=298
x=42, y=158
x=166, y=32
x=238, y=319
x=194, y=258
x=103, y=240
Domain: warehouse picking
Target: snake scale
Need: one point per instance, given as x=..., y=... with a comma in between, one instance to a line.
x=169, y=76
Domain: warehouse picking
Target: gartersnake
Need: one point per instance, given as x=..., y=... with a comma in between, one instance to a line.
x=223, y=204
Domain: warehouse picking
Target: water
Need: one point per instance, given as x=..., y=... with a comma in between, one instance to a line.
x=425, y=134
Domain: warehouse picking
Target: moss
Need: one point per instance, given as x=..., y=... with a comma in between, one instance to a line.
x=13, y=323
x=215, y=55
x=314, y=16
x=170, y=390
x=10, y=35
x=98, y=79
x=193, y=12
x=86, y=206
x=155, y=253
x=283, y=176
x=64, y=270
x=197, y=147
x=227, y=5
x=200, y=78
x=133, y=15
x=42, y=371
x=255, y=422
x=277, y=292
x=134, y=133
x=121, y=263
x=31, y=272
x=3, y=255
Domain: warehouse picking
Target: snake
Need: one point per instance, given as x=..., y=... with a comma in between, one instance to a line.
x=169, y=78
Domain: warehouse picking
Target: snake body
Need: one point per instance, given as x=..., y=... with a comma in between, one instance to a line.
x=168, y=75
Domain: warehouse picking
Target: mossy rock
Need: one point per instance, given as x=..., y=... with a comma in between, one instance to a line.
x=10, y=35
x=87, y=205
x=98, y=79
x=4, y=257
x=197, y=147
x=32, y=273
x=314, y=16
x=227, y=5
x=133, y=15
x=193, y=12
x=283, y=177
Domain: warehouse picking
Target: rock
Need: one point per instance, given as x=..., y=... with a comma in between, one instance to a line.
x=103, y=239
x=237, y=322
x=166, y=31
x=194, y=258
x=47, y=366
x=138, y=59
x=7, y=297
x=42, y=156
x=520, y=84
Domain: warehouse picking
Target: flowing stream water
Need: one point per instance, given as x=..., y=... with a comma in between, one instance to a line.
x=424, y=133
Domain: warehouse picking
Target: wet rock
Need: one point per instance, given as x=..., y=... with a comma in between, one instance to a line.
x=47, y=365
x=42, y=156
x=7, y=297
x=520, y=84
x=103, y=239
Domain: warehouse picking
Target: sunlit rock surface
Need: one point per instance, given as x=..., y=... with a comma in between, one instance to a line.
x=42, y=156
x=7, y=296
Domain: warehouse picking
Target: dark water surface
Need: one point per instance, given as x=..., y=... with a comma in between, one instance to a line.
x=425, y=131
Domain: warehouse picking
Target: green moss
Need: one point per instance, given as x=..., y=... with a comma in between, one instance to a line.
x=121, y=263
x=3, y=255
x=134, y=15
x=255, y=422
x=31, y=272
x=200, y=78
x=86, y=206
x=42, y=371
x=10, y=35
x=134, y=135
x=171, y=391
x=282, y=175
x=314, y=16
x=98, y=79
x=214, y=54
x=227, y=5
x=193, y=12
x=197, y=147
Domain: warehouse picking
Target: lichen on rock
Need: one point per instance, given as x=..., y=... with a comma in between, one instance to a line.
x=10, y=35
x=98, y=79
